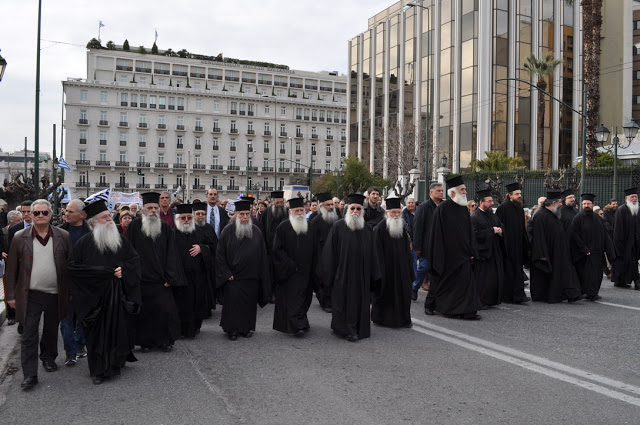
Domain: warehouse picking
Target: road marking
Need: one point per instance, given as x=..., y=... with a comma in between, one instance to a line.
x=534, y=363
x=607, y=303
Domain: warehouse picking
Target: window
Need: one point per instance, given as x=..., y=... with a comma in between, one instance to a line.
x=143, y=100
x=321, y=115
x=179, y=141
x=636, y=25
x=142, y=157
x=142, y=139
x=143, y=119
x=180, y=120
x=636, y=75
x=103, y=178
x=83, y=155
x=266, y=148
x=161, y=82
x=102, y=156
x=161, y=120
x=123, y=156
x=233, y=126
x=197, y=160
x=143, y=80
x=281, y=167
x=266, y=109
x=123, y=78
x=282, y=147
x=265, y=163
x=328, y=150
x=343, y=150
x=172, y=102
x=162, y=101
x=180, y=103
x=83, y=136
x=343, y=133
x=179, y=179
x=103, y=96
x=232, y=144
x=178, y=158
x=298, y=148
x=243, y=107
x=161, y=179
x=161, y=158
x=198, y=122
x=313, y=148
x=196, y=85
x=314, y=131
x=216, y=125
x=215, y=143
x=314, y=115
x=250, y=127
x=232, y=161
x=216, y=106
x=103, y=136
x=283, y=130
x=327, y=166
x=198, y=104
x=123, y=138
x=250, y=109
x=283, y=110
x=214, y=182
x=328, y=132
x=103, y=116
x=281, y=183
x=83, y=95
x=161, y=140
x=234, y=107
x=123, y=117
x=215, y=161
x=83, y=114
x=123, y=180
x=267, y=127
x=198, y=142
x=134, y=100
x=152, y=101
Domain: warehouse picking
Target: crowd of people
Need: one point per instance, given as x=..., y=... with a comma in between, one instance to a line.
x=146, y=275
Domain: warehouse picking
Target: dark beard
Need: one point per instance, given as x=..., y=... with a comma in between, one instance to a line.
x=517, y=203
x=278, y=212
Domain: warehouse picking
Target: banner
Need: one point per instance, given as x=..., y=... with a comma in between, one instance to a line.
x=123, y=198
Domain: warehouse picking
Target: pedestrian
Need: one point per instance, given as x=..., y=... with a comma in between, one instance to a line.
x=13, y=217
x=626, y=240
x=336, y=206
x=216, y=215
x=313, y=209
x=269, y=222
x=553, y=277
x=294, y=265
x=27, y=220
x=589, y=244
x=408, y=214
x=568, y=210
x=610, y=211
x=37, y=283
x=516, y=244
x=158, y=324
x=350, y=243
x=105, y=287
x=200, y=219
x=242, y=271
x=373, y=211
x=453, y=291
x=322, y=223
x=488, y=267
x=472, y=206
x=135, y=210
x=125, y=219
x=391, y=304
x=167, y=213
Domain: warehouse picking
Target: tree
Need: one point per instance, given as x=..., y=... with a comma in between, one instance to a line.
x=154, y=48
x=184, y=53
x=94, y=43
x=603, y=159
x=542, y=68
x=497, y=161
x=142, y=50
x=169, y=52
x=111, y=45
x=21, y=188
x=125, y=45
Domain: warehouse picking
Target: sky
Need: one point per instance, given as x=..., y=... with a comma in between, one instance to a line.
x=307, y=35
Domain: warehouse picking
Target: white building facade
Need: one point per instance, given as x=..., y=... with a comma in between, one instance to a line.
x=144, y=122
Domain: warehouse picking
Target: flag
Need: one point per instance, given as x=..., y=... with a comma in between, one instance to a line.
x=102, y=195
x=101, y=24
x=63, y=164
x=156, y=36
x=177, y=192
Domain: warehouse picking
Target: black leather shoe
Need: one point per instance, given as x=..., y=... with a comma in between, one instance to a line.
x=352, y=338
x=11, y=322
x=20, y=328
x=428, y=311
x=574, y=299
x=50, y=366
x=166, y=347
x=414, y=294
x=145, y=349
x=471, y=316
x=300, y=332
x=29, y=382
x=233, y=336
x=97, y=380
x=522, y=300
x=247, y=334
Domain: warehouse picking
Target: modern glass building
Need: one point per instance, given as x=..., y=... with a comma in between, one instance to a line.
x=430, y=75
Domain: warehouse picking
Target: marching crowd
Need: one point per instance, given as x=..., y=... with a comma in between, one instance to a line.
x=148, y=275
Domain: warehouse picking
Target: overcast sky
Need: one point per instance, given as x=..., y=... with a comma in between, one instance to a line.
x=306, y=35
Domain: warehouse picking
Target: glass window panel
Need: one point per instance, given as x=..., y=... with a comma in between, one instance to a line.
x=445, y=61
x=468, y=21
x=501, y=53
x=469, y=6
x=445, y=87
x=445, y=11
x=409, y=50
x=445, y=36
x=502, y=24
x=409, y=27
x=467, y=54
x=466, y=109
x=467, y=81
x=426, y=43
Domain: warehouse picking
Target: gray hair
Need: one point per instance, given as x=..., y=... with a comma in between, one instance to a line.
x=41, y=202
x=432, y=186
x=12, y=215
x=78, y=203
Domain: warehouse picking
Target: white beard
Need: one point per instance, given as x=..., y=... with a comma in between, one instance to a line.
x=185, y=227
x=151, y=225
x=354, y=221
x=395, y=227
x=459, y=199
x=106, y=236
x=243, y=230
x=633, y=208
x=299, y=224
x=328, y=217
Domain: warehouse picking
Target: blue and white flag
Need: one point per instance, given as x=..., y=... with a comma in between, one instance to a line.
x=102, y=195
x=63, y=164
x=101, y=25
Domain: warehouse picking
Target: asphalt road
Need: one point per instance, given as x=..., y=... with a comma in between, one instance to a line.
x=532, y=364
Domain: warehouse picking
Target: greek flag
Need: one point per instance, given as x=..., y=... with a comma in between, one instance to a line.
x=63, y=164
x=102, y=195
x=101, y=25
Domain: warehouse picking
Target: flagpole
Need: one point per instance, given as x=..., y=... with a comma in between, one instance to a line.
x=99, y=28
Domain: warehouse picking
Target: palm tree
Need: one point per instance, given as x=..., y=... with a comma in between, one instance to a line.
x=497, y=161
x=542, y=68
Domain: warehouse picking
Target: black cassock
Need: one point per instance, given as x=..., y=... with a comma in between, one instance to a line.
x=488, y=267
x=451, y=248
x=210, y=235
x=567, y=214
x=294, y=258
x=516, y=244
x=350, y=269
x=104, y=303
x=158, y=322
x=268, y=225
x=553, y=279
x=626, y=241
x=194, y=299
x=392, y=297
x=246, y=260
x=588, y=236
x=322, y=233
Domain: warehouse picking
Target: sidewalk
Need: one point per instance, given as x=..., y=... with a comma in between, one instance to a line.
x=9, y=348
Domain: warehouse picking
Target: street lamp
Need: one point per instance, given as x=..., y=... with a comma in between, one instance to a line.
x=444, y=161
x=258, y=187
x=338, y=172
x=3, y=66
x=602, y=135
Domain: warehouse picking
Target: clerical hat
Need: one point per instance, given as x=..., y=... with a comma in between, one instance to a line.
x=588, y=197
x=125, y=208
x=393, y=203
x=553, y=195
x=277, y=194
x=454, y=182
x=512, y=187
x=150, y=198
x=95, y=208
x=184, y=209
x=247, y=198
x=199, y=206
x=242, y=206
x=355, y=198
x=631, y=191
x=296, y=202
x=324, y=197
x=566, y=193
x=481, y=194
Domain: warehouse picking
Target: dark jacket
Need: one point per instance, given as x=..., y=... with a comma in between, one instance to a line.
x=422, y=222
x=85, y=227
x=11, y=233
x=372, y=216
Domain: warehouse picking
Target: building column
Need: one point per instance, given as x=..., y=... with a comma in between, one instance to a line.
x=359, y=101
x=558, y=13
x=485, y=77
x=417, y=81
x=512, y=85
x=385, y=124
x=457, y=100
x=400, y=85
x=435, y=158
x=372, y=90
x=535, y=50
x=576, y=128
x=349, y=100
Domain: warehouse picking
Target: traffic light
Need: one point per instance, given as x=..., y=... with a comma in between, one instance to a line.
x=140, y=172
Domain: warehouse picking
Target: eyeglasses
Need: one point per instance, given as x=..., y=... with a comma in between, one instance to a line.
x=355, y=208
x=44, y=213
x=473, y=205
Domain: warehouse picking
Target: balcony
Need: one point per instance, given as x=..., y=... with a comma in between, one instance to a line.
x=199, y=167
x=122, y=185
x=267, y=188
x=180, y=73
x=232, y=148
x=162, y=106
x=327, y=153
x=314, y=118
x=233, y=130
x=266, y=82
x=298, y=117
x=215, y=77
x=249, y=149
x=83, y=162
x=180, y=127
x=250, y=113
x=310, y=87
x=83, y=121
x=162, y=127
x=143, y=105
x=198, y=129
x=161, y=165
x=314, y=136
x=298, y=152
x=249, y=80
x=343, y=138
x=161, y=145
x=325, y=88
x=197, y=75
x=103, y=163
x=343, y=154
x=280, y=84
x=227, y=78
x=283, y=151
x=142, y=144
x=283, y=134
x=242, y=113
x=266, y=150
x=142, y=125
x=299, y=136
x=143, y=164
x=103, y=123
x=329, y=119
x=180, y=146
x=180, y=107
x=340, y=90
x=321, y=119
x=145, y=70
x=172, y=107
x=233, y=187
x=152, y=106
x=134, y=104
x=252, y=168
x=316, y=171
x=160, y=186
x=161, y=71
x=251, y=132
x=122, y=164
x=215, y=147
x=215, y=130
x=198, y=187
x=83, y=141
x=124, y=68
x=314, y=152
x=329, y=137
x=295, y=85
x=142, y=185
x=343, y=121
x=233, y=167
x=267, y=168
x=102, y=184
x=197, y=147
x=123, y=124
x=306, y=117
x=83, y=184
x=283, y=170
x=298, y=170
x=103, y=142
x=216, y=167
x=179, y=165
x=233, y=112
x=267, y=133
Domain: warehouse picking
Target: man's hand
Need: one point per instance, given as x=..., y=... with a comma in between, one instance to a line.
x=118, y=272
x=4, y=255
x=497, y=230
x=166, y=285
x=231, y=278
x=543, y=258
x=11, y=303
x=195, y=250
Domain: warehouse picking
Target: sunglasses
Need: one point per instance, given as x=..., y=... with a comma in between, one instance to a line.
x=355, y=208
x=473, y=205
x=37, y=213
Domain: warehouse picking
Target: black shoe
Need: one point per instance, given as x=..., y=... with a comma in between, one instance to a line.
x=97, y=380
x=327, y=309
x=166, y=347
x=145, y=349
x=29, y=382
x=408, y=325
x=574, y=299
x=50, y=366
x=352, y=338
x=522, y=300
x=596, y=297
x=428, y=311
x=247, y=334
x=300, y=332
x=11, y=322
x=414, y=294
x=71, y=360
x=20, y=328
x=636, y=287
x=471, y=316
x=233, y=336
x=82, y=352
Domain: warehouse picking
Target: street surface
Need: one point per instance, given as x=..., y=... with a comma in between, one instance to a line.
x=531, y=364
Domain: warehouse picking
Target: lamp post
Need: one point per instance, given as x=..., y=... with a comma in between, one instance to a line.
x=338, y=173
x=602, y=135
x=258, y=187
x=414, y=174
x=249, y=149
x=3, y=66
x=275, y=139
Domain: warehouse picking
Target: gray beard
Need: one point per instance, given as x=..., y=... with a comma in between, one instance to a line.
x=107, y=237
x=299, y=224
x=633, y=208
x=151, y=226
x=244, y=230
x=460, y=199
x=185, y=227
x=200, y=223
x=354, y=221
x=278, y=212
x=328, y=217
x=395, y=227
x=556, y=211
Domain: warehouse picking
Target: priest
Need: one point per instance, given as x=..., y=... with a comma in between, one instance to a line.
x=350, y=269
x=242, y=271
x=294, y=257
x=392, y=298
x=589, y=244
x=272, y=217
x=158, y=325
x=553, y=277
x=105, y=286
x=200, y=219
x=322, y=222
x=626, y=240
x=489, y=266
x=568, y=210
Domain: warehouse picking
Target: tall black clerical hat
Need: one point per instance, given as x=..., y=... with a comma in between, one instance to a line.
x=277, y=194
x=324, y=197
x=247, y=198
x=481, y=194
x=184, y=209
x=199, y=206
x=454, y=182
x=296, y=202
x=631, y=191
x=566, y=193
x=588, y=197
x=512, y=187
x=242, y=206
x=393, y=203
x=150, y=198
x=355, y=198
x=553, y=195
x=95, y=208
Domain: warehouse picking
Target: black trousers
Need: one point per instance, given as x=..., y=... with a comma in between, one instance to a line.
x=38, y=303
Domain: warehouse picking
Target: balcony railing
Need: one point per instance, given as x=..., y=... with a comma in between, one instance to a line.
x=227, y=78
x=198, y=187
x=124, y=68
x=179, y=165
x=142, y=144
x=199, y=167
x=327, y=153
x=325, y=88
x=298, y=152
x=179, y=146
x=180, y=127
x=283, y=170
x=298, y=170
x=134, y=104
x=248, y=80
x=310, y=87
x=103, y=123
x=123, y=124
x=123, y=143
x=267, y=133
x=340, y=90
x=198, y=129
x=215, y=77
x=316, y=171
x=314, y=118
x=103, y=142
x=161, y=71
x=283, y=134
x=343, y=138
x=283, y=151
x=160, y=186
x=142, y=125
x=233, y=130
x=298, y=117
x=196, y=75
x=251, y=132
x=145, y=70
x=252, y=168
x=143, y=164
x=104, y=163
x=152, y=106
x=172, y=107
x=280, y=83
x=83, y=162
x=83, y=184
x=267, y=168
x=215, y=147
x=329, y=119
x=122, y=163
x=299, y=136
x=267, y=188
x=234, y=112
x=197, y=147
x=306, y=117
x=314, y=136
x=142, y=185
x=161, y=165
x=216, y=167
x=83, y=121
x=143, y=105
x=232, y=148
x=161, y=145
x=267, y=82
x=329, y=137
x=102, y=184
x=233, y=167
x=122, y=185
x=295, y=85
x=180, y=107
x=250, y=113
x=233, y=187
x=180, y=73
x=83, y=141
x=215, y=130
x=266, y=150
x=343, y=154
x=162, y=126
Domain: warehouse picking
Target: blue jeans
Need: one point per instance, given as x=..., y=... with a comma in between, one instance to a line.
x=71, y=333
x=421, y=273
